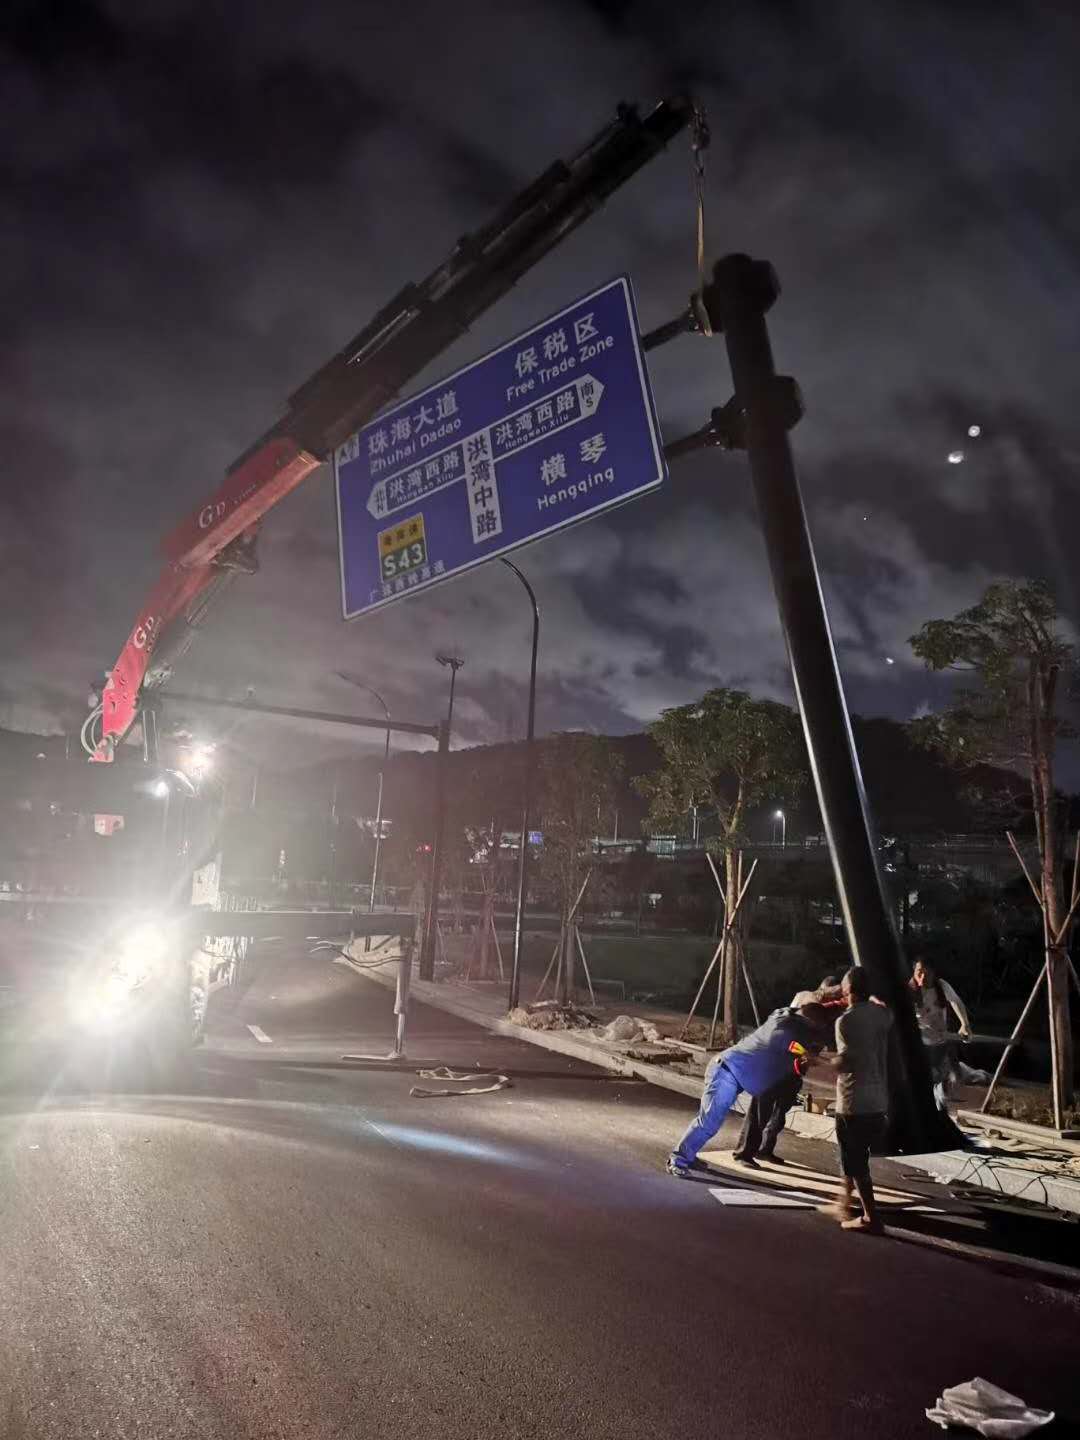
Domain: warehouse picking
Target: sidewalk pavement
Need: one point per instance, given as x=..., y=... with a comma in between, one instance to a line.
x=1046, y=1172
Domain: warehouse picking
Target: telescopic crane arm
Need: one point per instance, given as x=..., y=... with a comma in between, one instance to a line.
x=409, y=333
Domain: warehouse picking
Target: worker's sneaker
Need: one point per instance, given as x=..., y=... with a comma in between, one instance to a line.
x=680, y=1170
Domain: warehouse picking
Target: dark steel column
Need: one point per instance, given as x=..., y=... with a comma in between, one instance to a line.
x=431, y=919
x=526, y=804
x=742, y=290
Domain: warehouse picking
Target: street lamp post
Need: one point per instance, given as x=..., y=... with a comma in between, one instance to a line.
x=526, y=804
x=455, y=665
x=741, y=292
x=378, y=808
x=431, y=918
x=783, y=827
x=363, y=685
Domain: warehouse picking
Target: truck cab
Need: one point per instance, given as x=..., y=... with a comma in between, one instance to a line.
x=100, y=942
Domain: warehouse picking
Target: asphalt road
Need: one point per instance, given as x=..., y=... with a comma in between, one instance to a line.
x=291, y=1248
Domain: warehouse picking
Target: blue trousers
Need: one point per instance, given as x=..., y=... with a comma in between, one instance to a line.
x=721, y=1090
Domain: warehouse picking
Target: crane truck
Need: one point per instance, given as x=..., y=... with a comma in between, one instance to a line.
x=116, y=918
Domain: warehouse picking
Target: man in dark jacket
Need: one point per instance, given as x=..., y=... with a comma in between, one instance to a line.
x=766, y=1115
x=756, y=1064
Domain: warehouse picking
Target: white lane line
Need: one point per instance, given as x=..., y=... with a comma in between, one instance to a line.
x=260, y=1035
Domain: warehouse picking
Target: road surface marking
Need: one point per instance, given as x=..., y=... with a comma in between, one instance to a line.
x=770, y=1199
x=260, y=1035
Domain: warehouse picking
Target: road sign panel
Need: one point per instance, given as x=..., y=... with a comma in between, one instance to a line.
x=554, y=427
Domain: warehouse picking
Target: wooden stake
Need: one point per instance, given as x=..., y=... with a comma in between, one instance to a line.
x=1023, y=866
x=719, y=949
x=580, y=896
x=750, y=991
x=725, y=961
x=701, y=987
x=1051, y=942
x=1055, y=1070
x=745, y=968
x=1064, y=930
x=498, y=947
x=585, y=964
x=1013, y=1038
x=547, y=972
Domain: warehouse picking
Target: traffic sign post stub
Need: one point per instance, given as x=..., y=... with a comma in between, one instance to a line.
x=554, y=427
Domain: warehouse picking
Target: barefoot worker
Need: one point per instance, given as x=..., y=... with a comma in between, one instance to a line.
x=862, y=1097
x=756, y=1064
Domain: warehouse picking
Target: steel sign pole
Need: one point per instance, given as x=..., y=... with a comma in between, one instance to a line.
x=378, y=808
x=741, y=292
x=526, y=804
x=431, y=918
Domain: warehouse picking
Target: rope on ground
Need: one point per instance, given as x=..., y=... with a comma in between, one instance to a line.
x=342, y=956
x=443, y=1072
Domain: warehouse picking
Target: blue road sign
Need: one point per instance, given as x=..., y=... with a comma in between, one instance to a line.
x=552, y=428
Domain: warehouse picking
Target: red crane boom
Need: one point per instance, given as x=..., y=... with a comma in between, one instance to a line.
x=410, y=332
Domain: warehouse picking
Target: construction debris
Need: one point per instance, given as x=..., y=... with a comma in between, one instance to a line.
x=987, y=1409
x=625, y=1028
x=551, y=1015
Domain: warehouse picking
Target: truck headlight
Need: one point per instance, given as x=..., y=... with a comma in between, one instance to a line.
x=139, y=951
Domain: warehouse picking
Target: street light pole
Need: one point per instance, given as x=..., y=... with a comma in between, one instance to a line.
x=526, y=804
x=783, y=828
x=363, y=685
x=431, y=917
x=455, y=665
x=740, y=293
x=378, y=810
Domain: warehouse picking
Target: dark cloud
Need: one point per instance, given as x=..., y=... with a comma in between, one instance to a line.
x=204, y=203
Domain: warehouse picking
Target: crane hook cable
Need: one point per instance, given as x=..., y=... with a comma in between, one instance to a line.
x=699, y=143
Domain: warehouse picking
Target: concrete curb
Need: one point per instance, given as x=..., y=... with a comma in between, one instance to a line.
x=559, y=1042
x=564, y=1042
x=1016, y=1177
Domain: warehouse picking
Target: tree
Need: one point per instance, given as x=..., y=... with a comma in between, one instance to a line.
x=1009, y=645
x=728, y=753
x=578, y=779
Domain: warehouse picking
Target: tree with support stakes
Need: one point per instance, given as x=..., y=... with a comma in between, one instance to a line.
x=723, y=949
x=578, y=777
x=727, y=753
x=483, y=804
x=1053, y=940
x=1010, y=646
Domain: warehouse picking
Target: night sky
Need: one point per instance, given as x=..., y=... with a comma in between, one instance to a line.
x=202, y=203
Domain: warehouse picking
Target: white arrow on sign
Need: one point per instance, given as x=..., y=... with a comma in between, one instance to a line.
x=589, y=391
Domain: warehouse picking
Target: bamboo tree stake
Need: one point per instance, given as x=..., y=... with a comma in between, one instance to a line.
x=728, y=955
x=728, y=922
x=547, y=972
x=1051, y=941
x=1013, y=1039
x=745, y=967
x=558, y=952
x=585, y=964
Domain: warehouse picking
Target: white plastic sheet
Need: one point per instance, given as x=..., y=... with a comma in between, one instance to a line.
x=989, y=1410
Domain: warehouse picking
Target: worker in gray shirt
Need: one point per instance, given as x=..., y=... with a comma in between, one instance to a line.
x=862, y=1097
